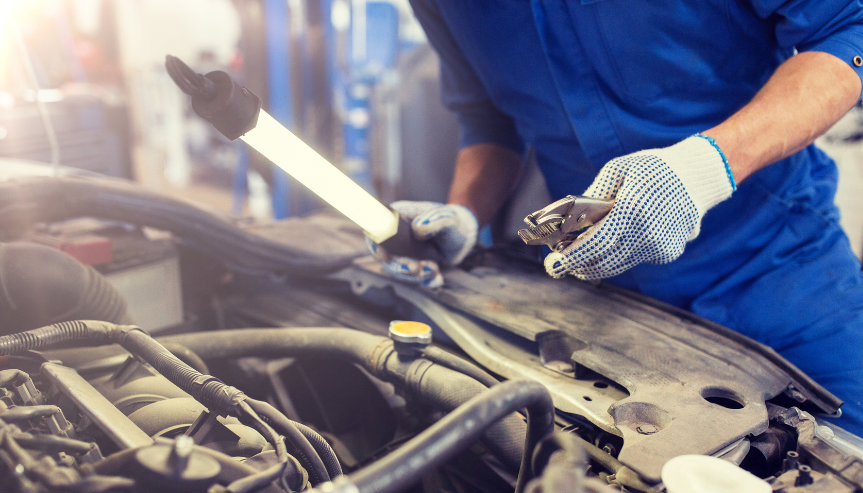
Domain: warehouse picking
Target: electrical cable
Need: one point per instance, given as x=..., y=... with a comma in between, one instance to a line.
x=320, y=449
x=277, y=471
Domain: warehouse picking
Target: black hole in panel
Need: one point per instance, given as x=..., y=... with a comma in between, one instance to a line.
x=724, y=402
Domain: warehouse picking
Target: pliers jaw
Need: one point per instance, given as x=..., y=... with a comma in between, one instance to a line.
x=559, y=223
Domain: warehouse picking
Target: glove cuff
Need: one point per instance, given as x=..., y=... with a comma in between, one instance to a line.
x=703, y=170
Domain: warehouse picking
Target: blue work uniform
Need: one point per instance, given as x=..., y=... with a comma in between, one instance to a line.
x=585, y=81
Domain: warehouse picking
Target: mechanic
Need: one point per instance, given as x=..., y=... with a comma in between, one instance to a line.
x=727, y=96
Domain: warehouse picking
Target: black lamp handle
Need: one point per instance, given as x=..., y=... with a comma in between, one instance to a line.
x=404, y=244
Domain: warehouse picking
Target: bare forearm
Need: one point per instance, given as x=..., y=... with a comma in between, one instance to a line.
x=485, y=175
x=802, y=100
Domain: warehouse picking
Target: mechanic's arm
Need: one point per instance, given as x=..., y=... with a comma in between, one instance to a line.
x=805, y=96
x=485, y=176
x=661, y=195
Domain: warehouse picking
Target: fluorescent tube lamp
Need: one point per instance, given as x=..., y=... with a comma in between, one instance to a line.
x=236, y=113
x=308, y=167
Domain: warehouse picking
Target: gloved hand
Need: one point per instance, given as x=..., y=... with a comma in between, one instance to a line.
x=452, y=227
x=660, y=197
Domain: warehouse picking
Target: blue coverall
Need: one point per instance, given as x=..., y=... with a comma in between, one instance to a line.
x=584, y=81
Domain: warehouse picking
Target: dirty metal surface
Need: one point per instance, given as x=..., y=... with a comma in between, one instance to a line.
x=690, y=387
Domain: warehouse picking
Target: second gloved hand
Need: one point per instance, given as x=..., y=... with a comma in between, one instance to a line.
x=453, y=229
x=660, y=197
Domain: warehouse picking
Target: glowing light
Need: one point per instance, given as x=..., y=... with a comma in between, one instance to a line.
x=308, y=167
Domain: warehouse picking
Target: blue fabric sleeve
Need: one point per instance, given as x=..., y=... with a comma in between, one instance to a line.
x=480, y=121
x=830, y=26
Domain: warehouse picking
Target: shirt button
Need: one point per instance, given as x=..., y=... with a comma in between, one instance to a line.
x=858, y=61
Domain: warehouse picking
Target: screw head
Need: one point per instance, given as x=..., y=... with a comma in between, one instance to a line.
x=646, y=429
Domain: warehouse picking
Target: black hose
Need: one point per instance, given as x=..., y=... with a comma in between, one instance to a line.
x=187, y=356
x=26, y=201
x=457, y=431
x=461, y=365
x=340, y=343
x=319, y=458
x=569, y=444
x=40, y=286
x=433, y=384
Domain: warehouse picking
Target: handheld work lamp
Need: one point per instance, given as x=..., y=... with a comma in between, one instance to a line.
x=236, y=113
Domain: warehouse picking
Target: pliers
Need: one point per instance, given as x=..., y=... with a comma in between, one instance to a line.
x=559, y=223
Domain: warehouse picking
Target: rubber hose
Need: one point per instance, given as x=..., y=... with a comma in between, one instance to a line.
x=567, y=443
x=460, y=365
x=26, y=201
x=318, y=448
x=187, y=356
x=446, y=390
x=41, y=286
x=457, y=431
x=366, y=350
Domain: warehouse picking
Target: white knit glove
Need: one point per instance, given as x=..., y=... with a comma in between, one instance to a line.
x=452, y=227
x=660, y=197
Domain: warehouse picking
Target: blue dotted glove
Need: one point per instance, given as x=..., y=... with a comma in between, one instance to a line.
x=660, y=197
x=452, y=227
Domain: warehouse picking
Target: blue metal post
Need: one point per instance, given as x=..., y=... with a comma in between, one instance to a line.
x=281, y=105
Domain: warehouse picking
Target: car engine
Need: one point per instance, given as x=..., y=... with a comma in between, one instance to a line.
x=204, y=354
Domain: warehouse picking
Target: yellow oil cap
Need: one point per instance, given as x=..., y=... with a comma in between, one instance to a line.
x=409, y=332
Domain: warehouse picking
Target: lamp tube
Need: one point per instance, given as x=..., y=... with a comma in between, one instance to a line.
x=296, y=158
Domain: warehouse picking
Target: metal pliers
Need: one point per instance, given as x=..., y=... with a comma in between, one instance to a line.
x=559, y=223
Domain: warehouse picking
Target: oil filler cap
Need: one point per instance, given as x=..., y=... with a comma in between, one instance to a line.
x=410, y=338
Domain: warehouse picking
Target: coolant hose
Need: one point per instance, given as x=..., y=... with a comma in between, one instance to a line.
x=455, y=432
x=461, y=365
x=40, y=286
x=435, y=385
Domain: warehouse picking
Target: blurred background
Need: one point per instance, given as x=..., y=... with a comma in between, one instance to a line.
x=355, y=79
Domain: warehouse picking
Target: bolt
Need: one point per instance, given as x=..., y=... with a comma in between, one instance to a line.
x=791, y=461
x=804, y=476
x=180, y=452
x=609, y=449
x=646, y=429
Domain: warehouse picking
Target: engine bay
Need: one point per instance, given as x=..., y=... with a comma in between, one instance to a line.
x=210, y=355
